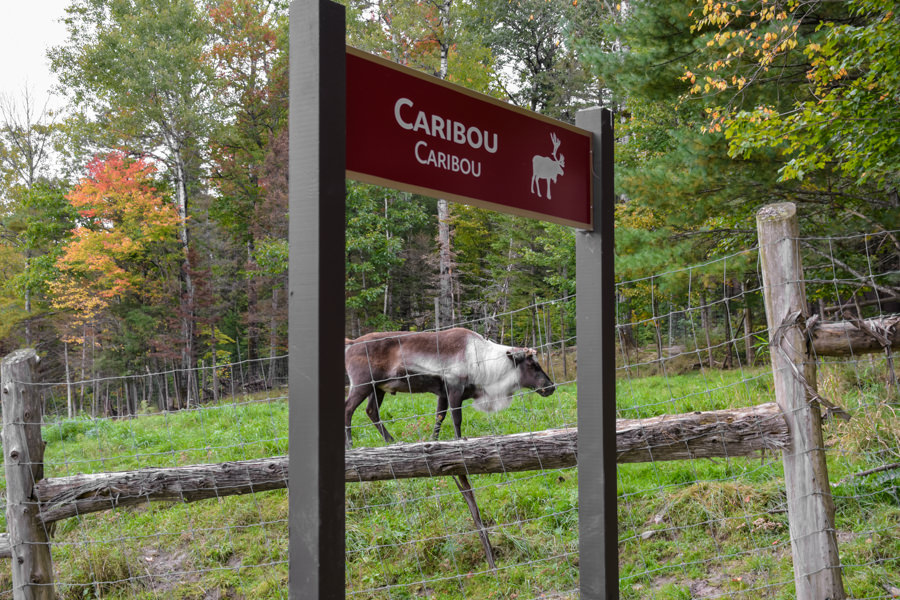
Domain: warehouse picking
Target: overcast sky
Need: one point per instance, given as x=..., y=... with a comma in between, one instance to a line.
x=27, y=29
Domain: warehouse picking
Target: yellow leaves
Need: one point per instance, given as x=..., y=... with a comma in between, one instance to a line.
x=634, y=216
x=738, y=51
x=787, y=45
x=68, y=294
x=716, y=119
x=741, y=82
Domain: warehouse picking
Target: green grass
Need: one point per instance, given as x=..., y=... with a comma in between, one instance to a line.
x=686, y=529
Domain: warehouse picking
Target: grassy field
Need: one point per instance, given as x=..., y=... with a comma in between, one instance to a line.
x=687, y=529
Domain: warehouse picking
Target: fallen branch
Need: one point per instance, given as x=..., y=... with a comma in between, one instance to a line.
x=880, y=469
x=715, y=434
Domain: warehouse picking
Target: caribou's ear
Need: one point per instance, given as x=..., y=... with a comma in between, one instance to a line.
x=517, y=355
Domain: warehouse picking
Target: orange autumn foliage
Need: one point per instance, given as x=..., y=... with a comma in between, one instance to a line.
x=126, y=224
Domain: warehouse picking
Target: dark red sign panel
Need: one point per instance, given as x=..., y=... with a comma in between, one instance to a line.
x=414, y=132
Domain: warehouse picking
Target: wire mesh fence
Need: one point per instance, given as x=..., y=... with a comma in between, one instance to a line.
x=690, y=340
x=693, y=340
x=696, y=339
x=158, y=550
x=417, y=538
x=856, y=280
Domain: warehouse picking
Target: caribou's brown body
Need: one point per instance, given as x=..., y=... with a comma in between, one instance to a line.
x=455, y=365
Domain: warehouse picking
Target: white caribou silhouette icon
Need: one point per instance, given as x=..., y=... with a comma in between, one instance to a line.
x=547, y=167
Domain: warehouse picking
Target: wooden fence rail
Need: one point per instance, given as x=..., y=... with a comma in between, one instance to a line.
x=856, y=337
x=712, y=434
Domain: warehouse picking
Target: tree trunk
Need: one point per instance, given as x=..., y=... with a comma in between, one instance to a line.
x=626, y=330
x=387, y=309
x=671, y=329
x=445, y=294
x=253, y=325
x=215, y=366
x=83, y=363
x=851, y=338
x=562, y=336
x=445, y=253
x=27, y=309
x=169, y=405
x=273, y=337
x=706, y=324
x=187, y=302
x=178, y=385
x=748, y=327
x=150, y=391
x=70, y=400
x=548, y=333
x=730, y=343
x=657, y=333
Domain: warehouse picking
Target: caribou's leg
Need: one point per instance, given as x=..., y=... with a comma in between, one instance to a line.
x=372, y=409
x=455, y=401
x=354, y=399
x=441, y=414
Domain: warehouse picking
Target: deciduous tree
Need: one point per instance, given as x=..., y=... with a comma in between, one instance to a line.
x=838, y=61
x=133, y=69
x=123, y=254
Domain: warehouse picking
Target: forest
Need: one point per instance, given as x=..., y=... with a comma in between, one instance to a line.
x=143, y=227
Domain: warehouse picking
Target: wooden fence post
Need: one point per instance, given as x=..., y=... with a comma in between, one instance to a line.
x=817, y=571
x=23, y=448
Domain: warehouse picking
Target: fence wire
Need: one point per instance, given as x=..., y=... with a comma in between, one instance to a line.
x=851, y=279
x=229, y=545
x=417, y=537
x=688, y=340
x=695, y=340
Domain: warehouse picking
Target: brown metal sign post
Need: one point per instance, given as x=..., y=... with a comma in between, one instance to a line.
x=596, y=326
x=353, y=114
x=316, y=326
